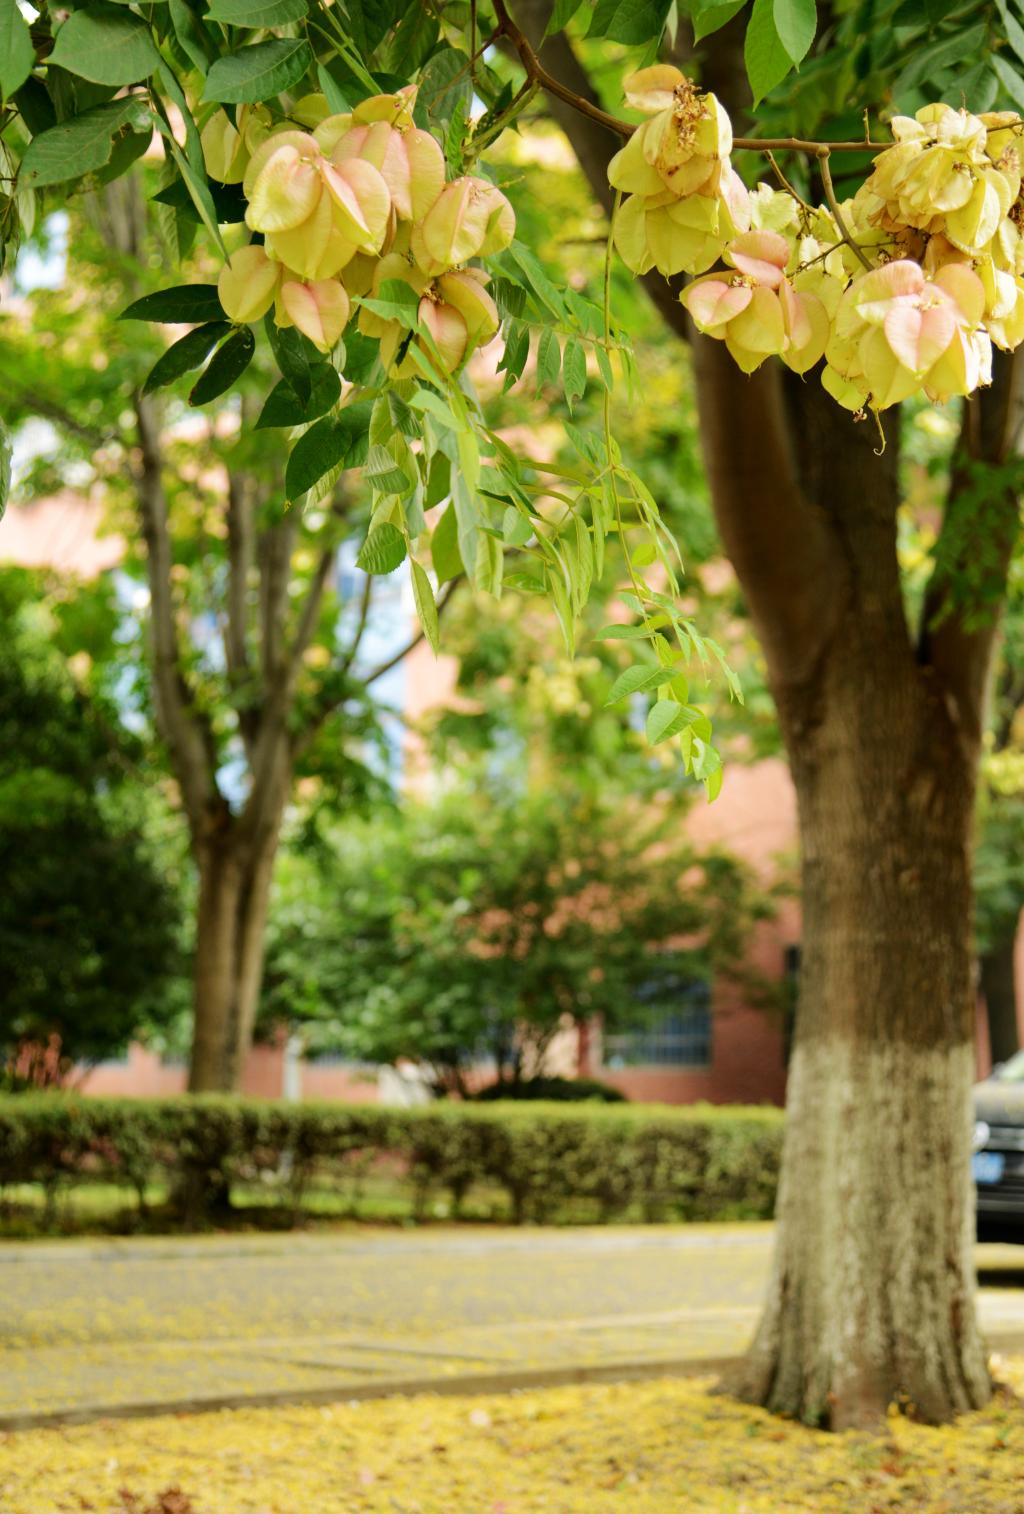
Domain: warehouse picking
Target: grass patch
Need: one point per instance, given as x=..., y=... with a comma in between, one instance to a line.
x=661, y=1447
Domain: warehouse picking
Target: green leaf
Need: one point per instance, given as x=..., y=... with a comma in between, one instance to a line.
x=385, y=474
x=549, y=358
x=1009, y=78
x=185, y=303
x=667, y=718
x=332, y=91
x=189, y=352
x=443, y=81
x=335, y=441
x=228, y=363
x=83, y=144
x=257, y=13
x=538, y=280
x=426, y=609
x=383, y=550
x=574, y=371
x=426, y=400
x=630, y=21
x=444, y=547
x=711, y=18
x=284, y=408
x=105, y=44
x=516, y=528
x=562, y=13
x=796, y=22
x=258, y=72
x=766, y=58
x=296, y=356
x=517, y=350
x=639, y=677
x=192, y=34
x=17, y=55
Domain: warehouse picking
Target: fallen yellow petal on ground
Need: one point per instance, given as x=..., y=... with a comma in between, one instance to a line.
x=654, y=1447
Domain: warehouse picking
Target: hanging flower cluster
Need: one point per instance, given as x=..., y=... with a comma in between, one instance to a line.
x=903, y=288
x=345, y=206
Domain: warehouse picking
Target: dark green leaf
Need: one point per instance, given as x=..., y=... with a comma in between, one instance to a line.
x=443, y=81
x=1012, y=28
x=383, y=550
x=107, y=44
x=517, y=350
x=444, y=547
x=189, y=352
x=192, y=34
x=438, y=480
x=549, y=358
x=385, y=474
x=766, y=58
x=336, y=98
x=335, y=441
x=1009, y=78
x=189, y=303
x=361, y=353
x=83, y=144
x=537, y=279
x=284, y=408
x=17, y=54
x=296, y=356
x=228, y=363
x=228, y=200
x=257, y=13
x=630, y=21
x=258, y=72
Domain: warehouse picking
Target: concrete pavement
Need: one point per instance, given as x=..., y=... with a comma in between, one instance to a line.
x=157, y=1324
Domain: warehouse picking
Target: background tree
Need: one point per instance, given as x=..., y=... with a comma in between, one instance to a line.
x=90, y=928
x=253, y=672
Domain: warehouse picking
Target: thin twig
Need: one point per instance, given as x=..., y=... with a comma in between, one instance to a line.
x=787, y=186
x=833, y=204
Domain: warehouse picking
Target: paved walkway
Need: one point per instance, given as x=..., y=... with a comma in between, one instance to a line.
x=136, y=1326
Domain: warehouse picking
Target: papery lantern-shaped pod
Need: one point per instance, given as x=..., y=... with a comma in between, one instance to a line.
x=888, y=380
x=1004, y=131
x=629, y=231
x=331, y=129
x=410, y=162
x=285, y=188
x=806, y=323
x=965, y=366
x=358, y=274
x=464, y=291
x=654, y=89
x=974, y=224
x=396, y=108
x=316, y=249
x=320, y=310
x=470, y=218
x=851, y=393
x=689, y=144
x=448, y=331
x=684, y=237
x=310, y=110
x=247, y=284
x=761, y=255
x=871, y=296
x=362, y=201
x=224, y=150
x=629, y=169
x=758, y=332
x=716, y=300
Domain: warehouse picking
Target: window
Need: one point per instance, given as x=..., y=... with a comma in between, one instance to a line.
x=678, y=1033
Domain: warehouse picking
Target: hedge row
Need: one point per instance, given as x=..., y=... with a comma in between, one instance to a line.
x=692, y=1162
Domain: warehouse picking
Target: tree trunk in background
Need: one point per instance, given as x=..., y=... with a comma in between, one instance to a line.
x=234, y=891
x=999, y=986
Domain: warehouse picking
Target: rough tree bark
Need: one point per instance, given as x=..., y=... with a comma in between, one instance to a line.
x=872, y=1292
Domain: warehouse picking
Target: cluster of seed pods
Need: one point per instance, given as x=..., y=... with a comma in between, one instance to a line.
x=344, y=203
x=904, y=288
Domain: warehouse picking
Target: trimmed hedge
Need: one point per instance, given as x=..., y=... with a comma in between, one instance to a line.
x=663, y=1162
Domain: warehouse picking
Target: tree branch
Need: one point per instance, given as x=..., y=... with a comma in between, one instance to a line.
x=188, y=737
x=960, y=617
x=275, y=555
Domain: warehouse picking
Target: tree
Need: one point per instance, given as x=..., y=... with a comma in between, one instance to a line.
x=487, y=923
x=89, y=926
x=872, y=1294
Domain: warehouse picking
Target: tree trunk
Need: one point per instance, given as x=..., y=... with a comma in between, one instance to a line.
x=999, y=985
x=234, y=890
x=871, y=1299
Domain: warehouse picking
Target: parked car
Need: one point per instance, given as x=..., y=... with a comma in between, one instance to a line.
x=999, y=1152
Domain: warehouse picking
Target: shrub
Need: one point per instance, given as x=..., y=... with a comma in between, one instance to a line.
x=593, y=1161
